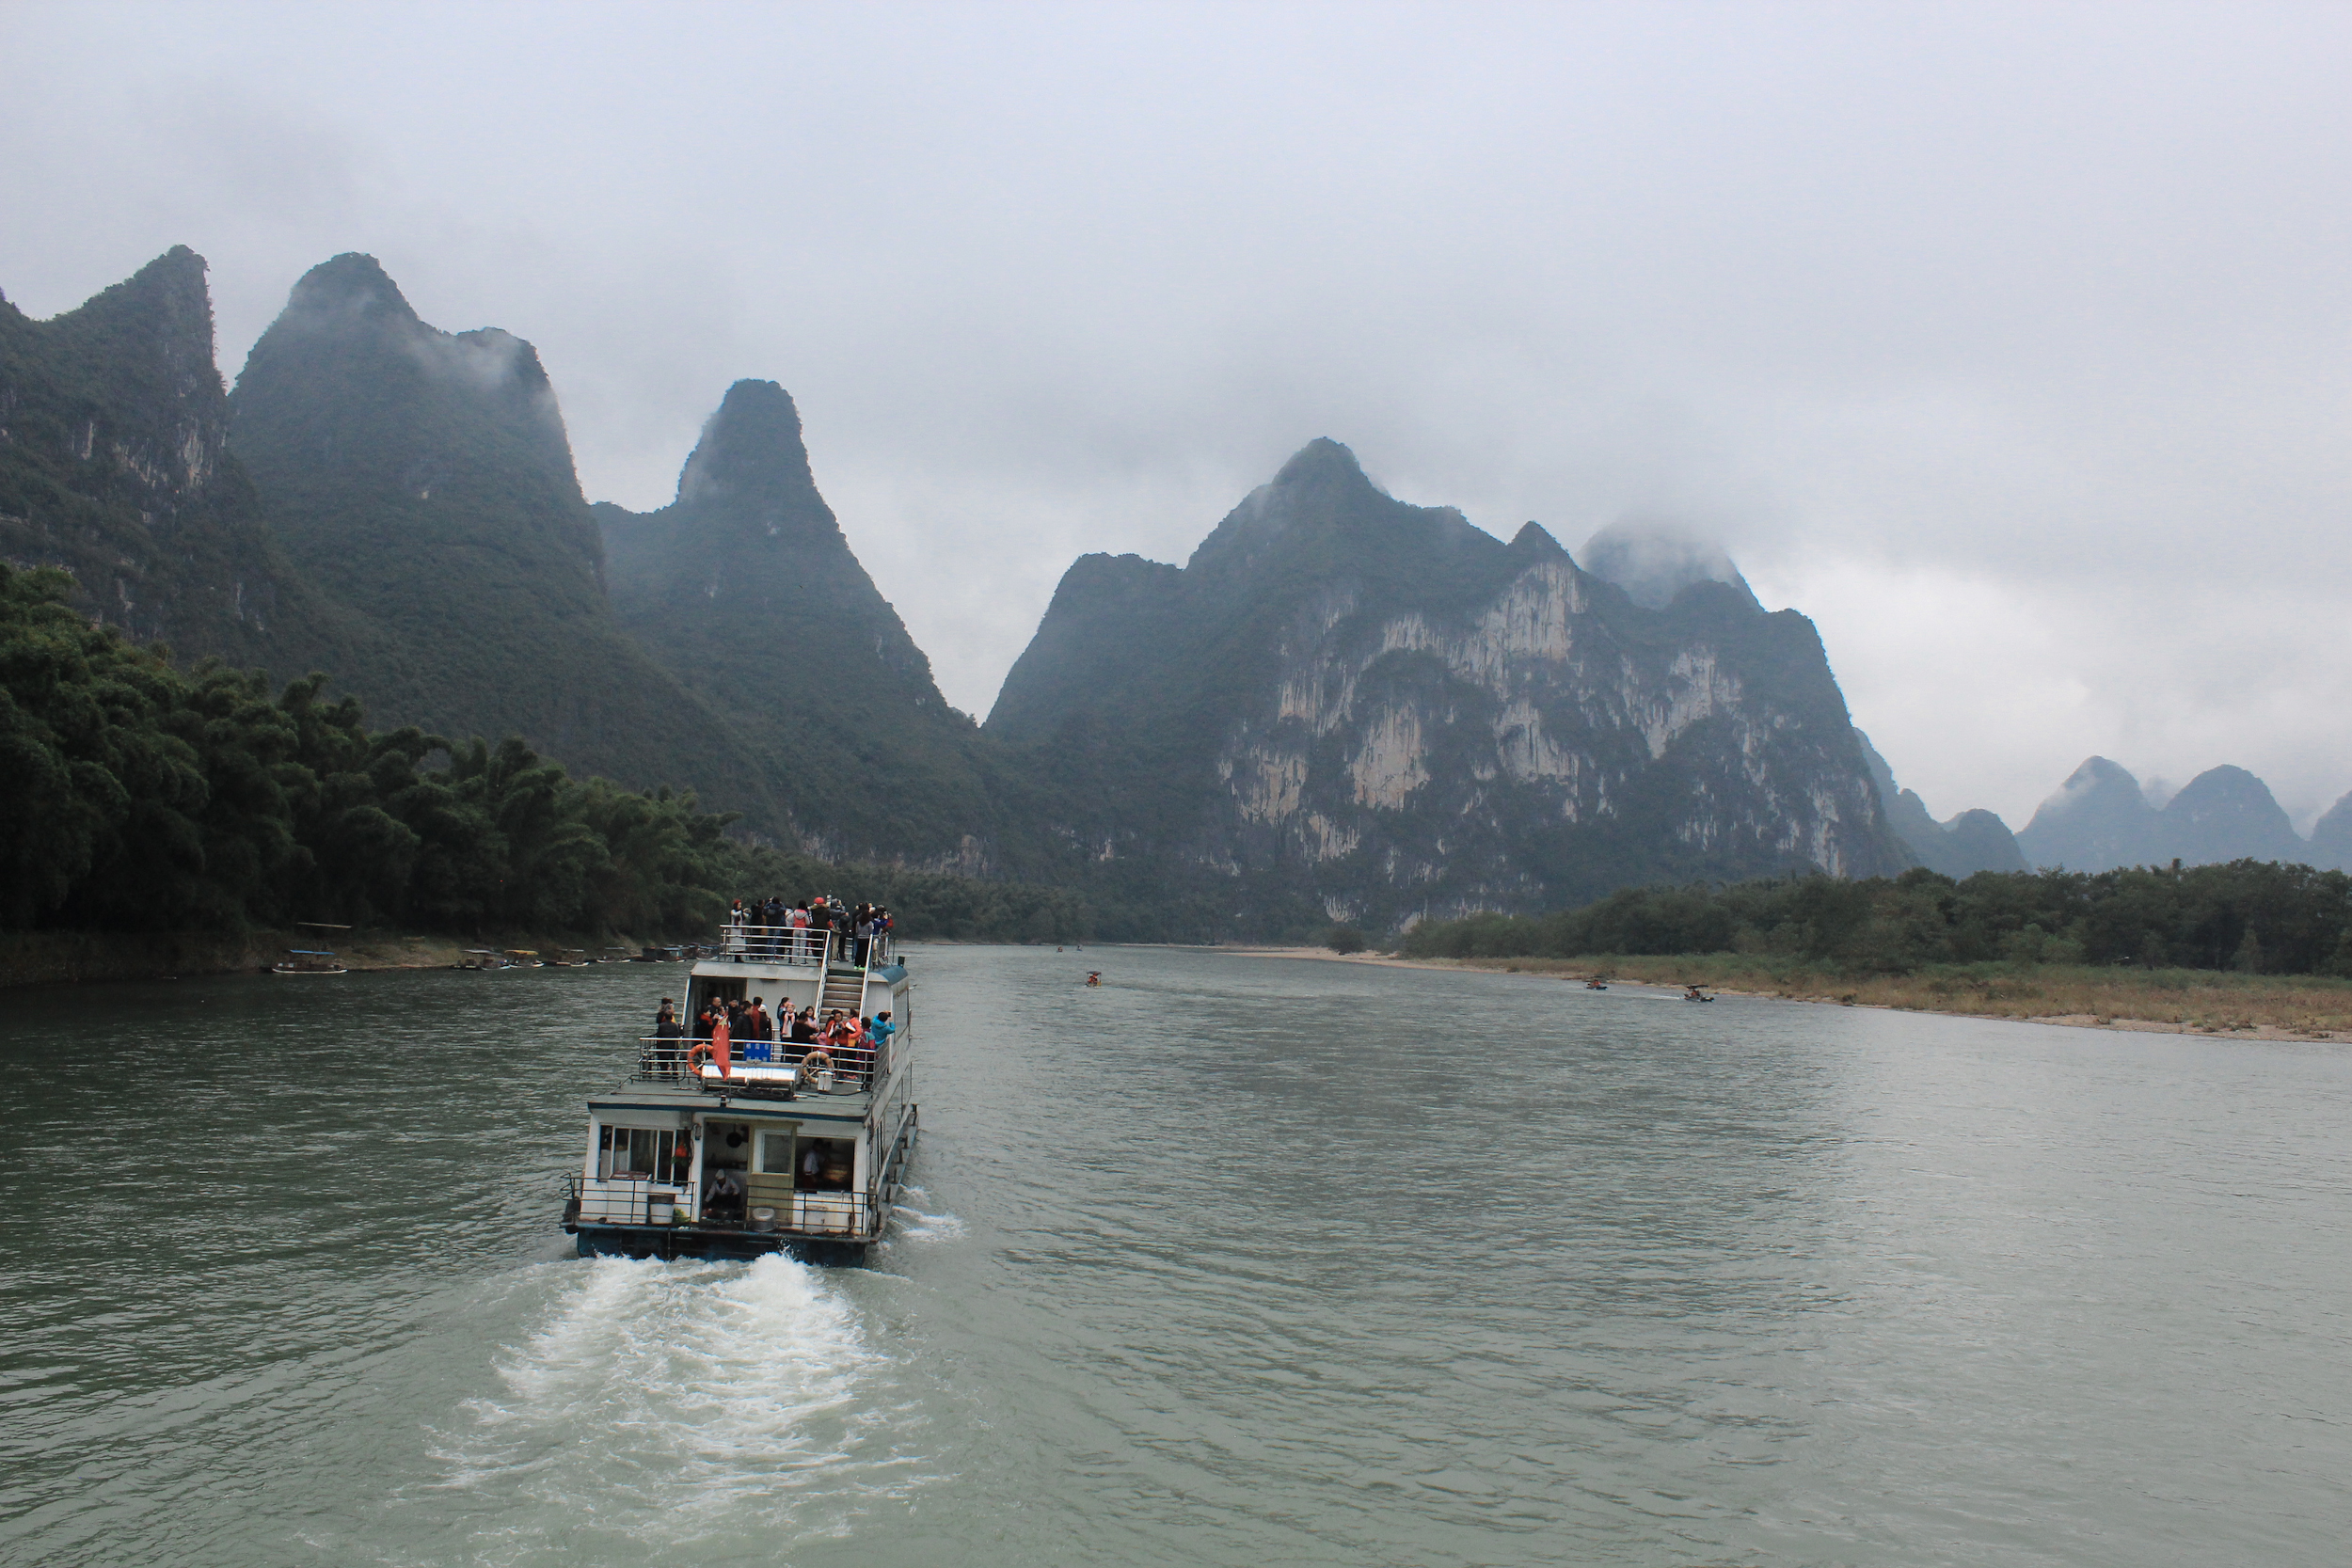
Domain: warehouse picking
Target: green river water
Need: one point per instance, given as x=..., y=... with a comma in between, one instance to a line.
x=1231, y=1261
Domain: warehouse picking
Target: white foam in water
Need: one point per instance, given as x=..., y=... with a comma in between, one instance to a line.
x=669, y=1402
x=917, y=1225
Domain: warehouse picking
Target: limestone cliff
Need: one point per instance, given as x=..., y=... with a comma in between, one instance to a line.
x=1379, y=709
x=114, y=427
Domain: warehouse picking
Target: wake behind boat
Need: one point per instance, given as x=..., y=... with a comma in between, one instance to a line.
x=721, y=1146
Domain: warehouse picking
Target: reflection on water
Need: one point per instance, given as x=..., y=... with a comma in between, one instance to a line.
x=1230, y=1261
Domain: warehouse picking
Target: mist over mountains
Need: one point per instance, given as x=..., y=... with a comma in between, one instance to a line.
x=1340, y=707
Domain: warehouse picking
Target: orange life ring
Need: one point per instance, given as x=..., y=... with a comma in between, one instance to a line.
x=817, y=1061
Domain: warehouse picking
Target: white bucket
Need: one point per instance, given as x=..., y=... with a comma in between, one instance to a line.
x=763, y=1219
x=824, y=1080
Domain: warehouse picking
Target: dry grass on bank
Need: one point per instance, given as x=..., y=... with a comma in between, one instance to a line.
x=2189, y=1000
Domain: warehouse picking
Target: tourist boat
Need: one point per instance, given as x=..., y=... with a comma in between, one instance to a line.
x=308, y=961
x=781, y=1152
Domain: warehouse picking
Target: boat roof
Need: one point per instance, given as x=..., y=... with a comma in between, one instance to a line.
x=310, y=953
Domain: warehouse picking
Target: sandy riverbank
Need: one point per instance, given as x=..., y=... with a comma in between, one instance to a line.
x=2172, y=1002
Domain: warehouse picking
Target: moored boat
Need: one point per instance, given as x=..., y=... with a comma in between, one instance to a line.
x=308, y=961
x=770, y=1146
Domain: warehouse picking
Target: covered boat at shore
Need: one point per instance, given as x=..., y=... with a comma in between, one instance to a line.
x=782, y=1147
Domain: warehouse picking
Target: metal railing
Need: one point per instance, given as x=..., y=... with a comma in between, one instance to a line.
x=639, y=1201
x=802, y=946
x=667, y=1059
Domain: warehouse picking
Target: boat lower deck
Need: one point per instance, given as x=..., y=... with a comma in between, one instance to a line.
x=667, y=1243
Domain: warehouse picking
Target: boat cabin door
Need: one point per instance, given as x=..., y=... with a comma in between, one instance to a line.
x=727, y=1149
x=711, y=987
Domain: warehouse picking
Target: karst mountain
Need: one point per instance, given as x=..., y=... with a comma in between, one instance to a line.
x=423, y=481
x=1379, y=709
x=746, y=590
x=115, y=464
x=1342, y=706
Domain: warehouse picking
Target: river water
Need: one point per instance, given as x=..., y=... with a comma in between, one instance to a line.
x=1232, y=1260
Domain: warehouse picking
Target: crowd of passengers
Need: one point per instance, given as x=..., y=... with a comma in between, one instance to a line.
x=729, y=1027
x=768, y=927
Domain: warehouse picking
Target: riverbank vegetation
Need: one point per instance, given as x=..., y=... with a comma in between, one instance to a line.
x=2201, y=1001
x=143, y=797
x=2253, y=917
x=2214, y=948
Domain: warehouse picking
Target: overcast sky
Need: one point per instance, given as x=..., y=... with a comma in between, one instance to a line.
x=2013, y=345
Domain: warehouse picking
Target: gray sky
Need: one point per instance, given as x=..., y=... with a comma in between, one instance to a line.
x=2012, y=345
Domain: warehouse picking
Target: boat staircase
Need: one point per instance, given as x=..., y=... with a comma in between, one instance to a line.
x=845, y=988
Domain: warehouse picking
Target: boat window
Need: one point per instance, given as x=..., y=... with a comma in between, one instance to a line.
x=826, y=1165
x=727, y=1145
x=644, y=1153
x=775, y=1153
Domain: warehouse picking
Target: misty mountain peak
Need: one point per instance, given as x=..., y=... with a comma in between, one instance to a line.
x=1322, y=462
x=2227, y=814
x=156, y=326
x=2096, y=784
x=2097, y=820
x=1322, y=513
x=349, y=285
x=1533, y=542
x=2331, y=837
x=1653, y=560
x=751, y=446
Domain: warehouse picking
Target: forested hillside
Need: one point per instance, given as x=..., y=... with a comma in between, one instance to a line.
x=423, y=481
x=141, y=797
x=746, y=590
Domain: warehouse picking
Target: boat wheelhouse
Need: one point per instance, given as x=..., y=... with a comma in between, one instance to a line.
x=790, y=1148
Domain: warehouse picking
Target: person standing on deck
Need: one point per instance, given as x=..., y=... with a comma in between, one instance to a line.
x=666, y=1034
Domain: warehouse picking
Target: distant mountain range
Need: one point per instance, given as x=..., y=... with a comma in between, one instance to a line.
x=1342, y=706
x=2100, y=817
